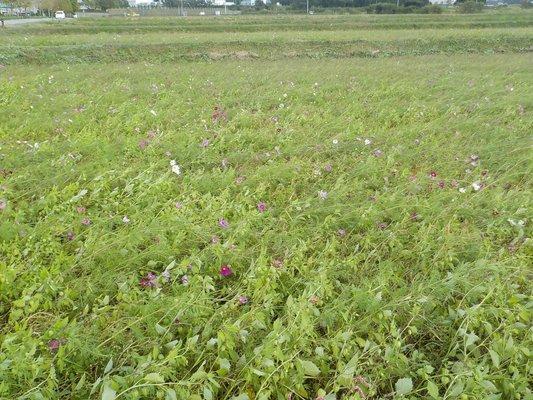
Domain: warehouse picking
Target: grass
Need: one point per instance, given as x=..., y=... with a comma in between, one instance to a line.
x=392, y=260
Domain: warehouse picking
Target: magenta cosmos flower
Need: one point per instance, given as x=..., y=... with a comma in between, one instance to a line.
x=433, y=174
x=223, y=223
x=226, y=270
x=150, y=280
x=53, y=345
x=243, y=300
x=261, y=207
x=86, y=221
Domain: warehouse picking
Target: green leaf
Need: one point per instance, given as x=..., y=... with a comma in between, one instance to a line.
x=489, y=386
x=154, y=377
x=224, y=364
x=208, y=394
x=160, y=329
x=171, y=395
x=471, y=338
x=433, y=390
x=457, y=389
x=108, y=393
x=404, y=386
x=310, y=368
x=243, y=396
x=495, y=358
x=109, y=366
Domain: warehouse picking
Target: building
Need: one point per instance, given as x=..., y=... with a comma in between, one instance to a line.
x=442, y=2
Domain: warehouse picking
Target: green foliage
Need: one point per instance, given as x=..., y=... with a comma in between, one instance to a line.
x=393, y=257
x=104, y=5
x=470, y=7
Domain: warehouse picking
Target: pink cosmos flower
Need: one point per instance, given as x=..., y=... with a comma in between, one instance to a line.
x=432, y=174
x=80, y=209
x=243, y=300
x=205, y=143
x=239, y=180
x=341, y=232
x=261, y=207
x=185, y=280
x=53, y=345
x=86, y=221
x=314, y=299
x=150, y=280
x=278, y=263
x=377, y=153
x=414, y=216
x=215, y=239
x=225, y=270
x=442, y=184
x=143, y=144
x=151, y=134
x=178, y=205
x=328, y=168
x=382, y=225
x=223, y=223
x=70, y=236
x=218, y=115
x=3, y=205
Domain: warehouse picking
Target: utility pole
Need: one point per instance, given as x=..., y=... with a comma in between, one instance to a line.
x=307, y=6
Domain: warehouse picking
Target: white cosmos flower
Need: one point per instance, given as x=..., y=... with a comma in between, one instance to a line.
x=476, y=186
x=462, y=190
x=368, y=142
x=176, y=169
x=125, y=219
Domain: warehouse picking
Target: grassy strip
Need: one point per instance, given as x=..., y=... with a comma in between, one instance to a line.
x=282, y=23
x=270, y=50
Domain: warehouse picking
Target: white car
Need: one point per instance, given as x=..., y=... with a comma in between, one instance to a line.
x=60, y=14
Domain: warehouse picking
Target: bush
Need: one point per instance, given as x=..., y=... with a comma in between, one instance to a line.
x=430, y=9
x=470, y=7
x=383, y=8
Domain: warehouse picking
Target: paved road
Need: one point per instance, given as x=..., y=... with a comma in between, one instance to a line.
x=11, y=22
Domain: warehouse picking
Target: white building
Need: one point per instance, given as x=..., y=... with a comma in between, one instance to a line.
x=222, y=3
x=442, y=2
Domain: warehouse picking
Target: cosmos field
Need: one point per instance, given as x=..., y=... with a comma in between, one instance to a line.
x=258, y=207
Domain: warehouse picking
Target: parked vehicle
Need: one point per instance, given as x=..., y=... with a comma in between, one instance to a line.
x=60, y=15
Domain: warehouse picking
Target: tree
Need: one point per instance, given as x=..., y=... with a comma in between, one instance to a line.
x=105, y=5
x=56, y=5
